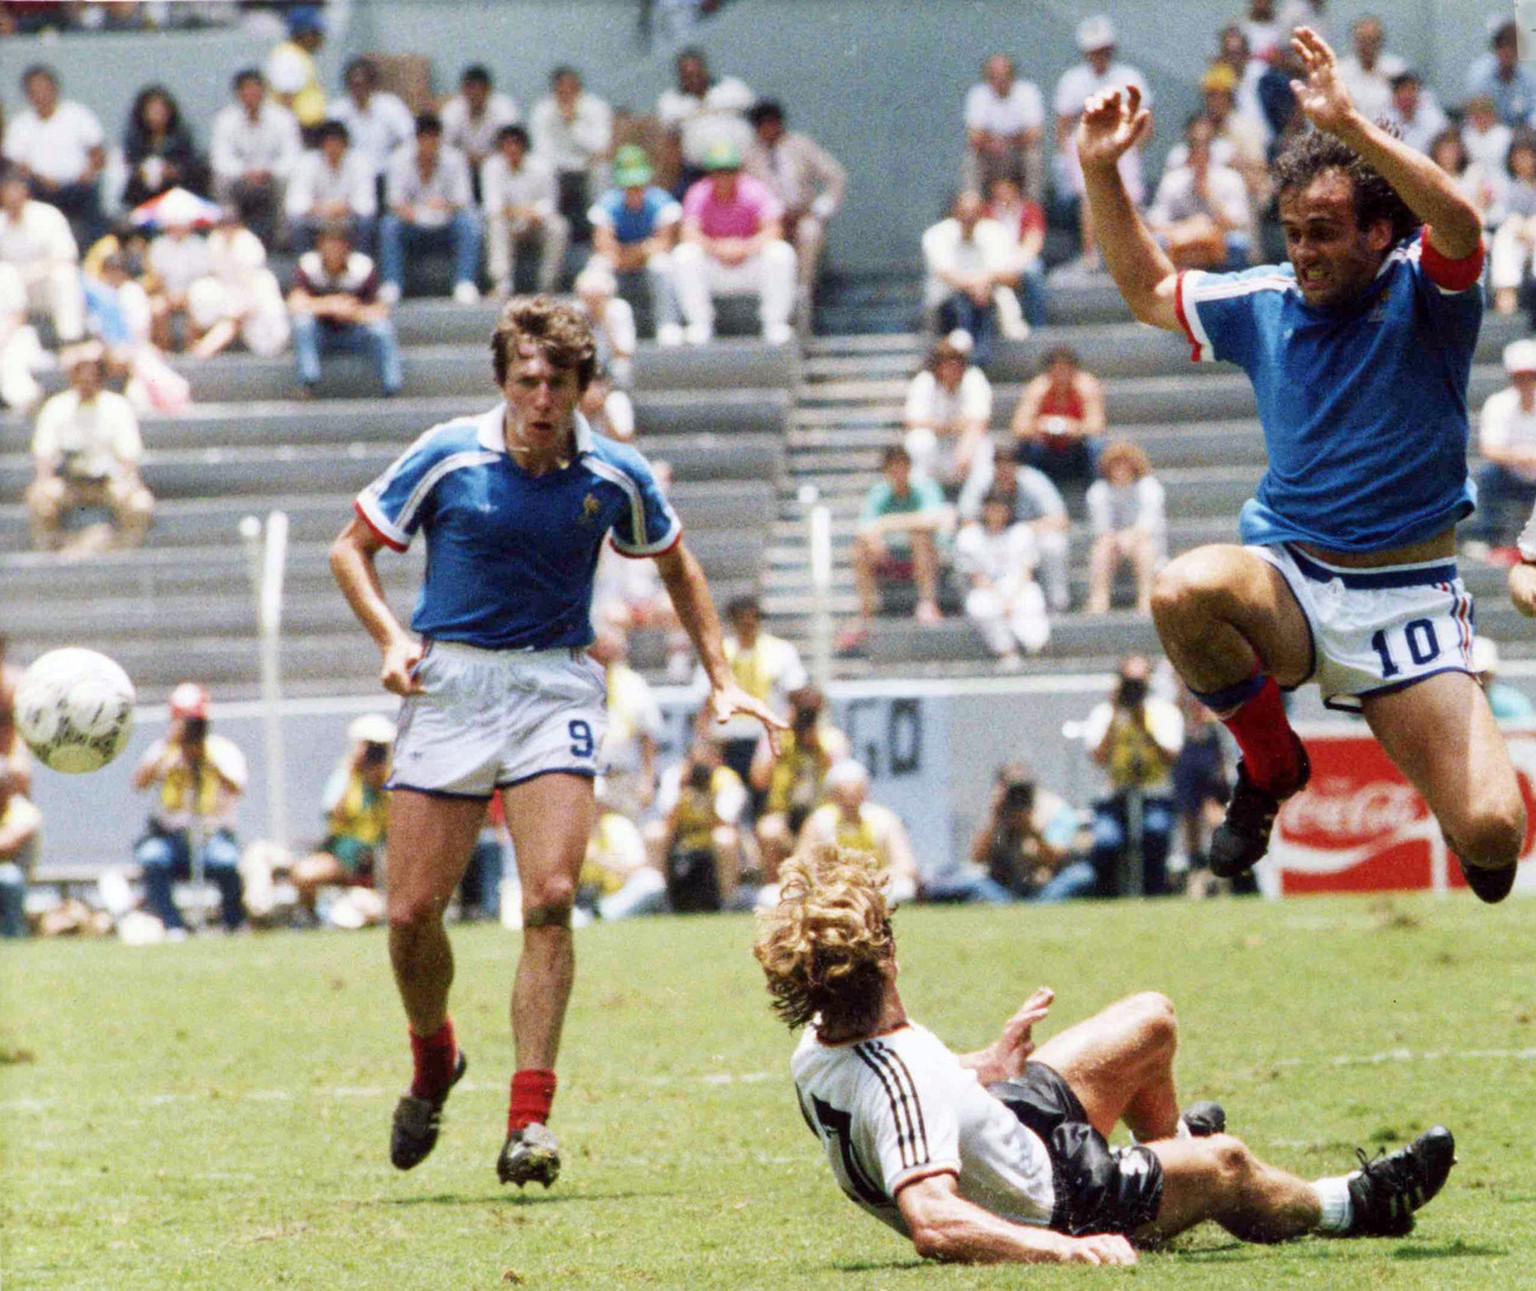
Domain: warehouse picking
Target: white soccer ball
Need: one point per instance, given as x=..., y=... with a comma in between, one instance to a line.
x=74, y=709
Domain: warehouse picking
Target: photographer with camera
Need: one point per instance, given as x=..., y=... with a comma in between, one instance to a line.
x=1136, y=738
x=85, y=453
x=1026, y=843
x=793, y=783
x=354, y=804
x=698, y=840
x=200, y=777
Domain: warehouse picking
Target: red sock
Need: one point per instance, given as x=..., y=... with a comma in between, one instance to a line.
x=533, y=1093
x=434, y=1056
x=1263, y=733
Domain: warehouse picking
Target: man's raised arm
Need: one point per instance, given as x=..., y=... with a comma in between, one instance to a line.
x=1112, y=123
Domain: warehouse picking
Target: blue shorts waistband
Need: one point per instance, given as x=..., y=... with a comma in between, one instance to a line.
x=1417, y=575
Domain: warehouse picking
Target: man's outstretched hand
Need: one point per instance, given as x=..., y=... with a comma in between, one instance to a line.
x=1005, y=1057
x=1113, y=122
x=1322, y=97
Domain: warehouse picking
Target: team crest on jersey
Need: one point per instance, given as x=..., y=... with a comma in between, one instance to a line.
x=590, y=507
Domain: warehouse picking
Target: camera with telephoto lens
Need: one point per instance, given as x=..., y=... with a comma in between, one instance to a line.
x=700, y=776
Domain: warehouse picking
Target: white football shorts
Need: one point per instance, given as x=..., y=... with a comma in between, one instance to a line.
x=489, y=719
x=1378, y=630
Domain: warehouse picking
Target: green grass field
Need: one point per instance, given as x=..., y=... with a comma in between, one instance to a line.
x=215, y=1114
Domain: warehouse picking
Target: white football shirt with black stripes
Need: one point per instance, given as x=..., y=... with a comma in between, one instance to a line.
x=899, y=1107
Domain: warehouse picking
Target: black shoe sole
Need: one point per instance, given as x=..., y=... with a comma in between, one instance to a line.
x=403, y=1159
x=1491, y=886
x=1246, y=852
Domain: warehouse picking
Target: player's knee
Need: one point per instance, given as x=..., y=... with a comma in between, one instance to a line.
x=1493, y=835
x=1156, y=1019
x=411, y=913
x=548, y=903
x=1186, y=586
x=1231, y=1163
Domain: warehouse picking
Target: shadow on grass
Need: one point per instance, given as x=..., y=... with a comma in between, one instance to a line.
x=511, y=1199
x=877, y=1266
x=1455, y=1250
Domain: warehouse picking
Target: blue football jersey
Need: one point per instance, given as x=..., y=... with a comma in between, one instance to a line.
x=1364, y=409
x=510, y=556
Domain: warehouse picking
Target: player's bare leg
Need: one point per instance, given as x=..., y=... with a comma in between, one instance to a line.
x=1220, y=1179
x=429, y=847
x=1442, y=735
x=550, y=820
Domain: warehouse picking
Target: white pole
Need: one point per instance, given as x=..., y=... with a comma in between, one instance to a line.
x=819, y=519
x=269, y=627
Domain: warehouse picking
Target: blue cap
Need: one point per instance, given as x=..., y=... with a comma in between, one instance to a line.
x=305, y=18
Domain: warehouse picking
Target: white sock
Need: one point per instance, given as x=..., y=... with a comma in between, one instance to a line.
x=1182, y=1130
x=1333, y=1197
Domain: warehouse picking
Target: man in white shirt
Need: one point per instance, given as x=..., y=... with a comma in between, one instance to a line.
x=1368, y=72
x=255, y=146
x=1507, y=443
x=378, y=121
x=703, y=112
x=1004, y=123
x=58, y=145
x=972, y=268
x=1098, y=71
x=521, y=198
x=807, y=180
x=1201, y=213
x=573, y=130
x=1000, y=1155
x=20, y=349
x=1486, y=137
x=473, y=117
x=85, y=453
x=431, y=206
x=332, y=181
x=36, y=242
x=1415, y=111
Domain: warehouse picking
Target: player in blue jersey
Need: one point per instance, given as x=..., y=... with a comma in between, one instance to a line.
x=1359, y=350
x=499, y=695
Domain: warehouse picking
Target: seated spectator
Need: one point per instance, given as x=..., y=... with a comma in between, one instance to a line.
x=766, y=666
x=120, y=314
x=1487, y=138
x=178, y=257
x=1024, y=220
x=1414, y=111
x=1033, y=501
x=1368, y=72
x=21, y=352
x=85, y=453
x=1448, y=150
x=634, y=227
x=971, y=268
x=996, y=556
x=199, y=778
x=57, y=144
x=1004, y=124
x=573, y=130
x=733, y=244
x=947, y=414
x=521, y=200
x=430, y=206
x=1126, y=514
x=628, y=595
x=355, y=804
x=36, y=242
x=702, y=113
x=617, y=880
x=1507, y=442
x=698, y=838
x=1514, y=221
x=612, y=321
x=1096, y=41
x=336, y=305
x=254, y=149
x=807, y=180
x=610, y=412
x=1025, y=845
x=1509, y=704
x=377, y=121
x=1201, y=213
x=791, y=781
x=897, y=538
x=240, y=297
x=1135, y=737
x=1238, y=137
x=332, y=181
x=292, y=72
x=20, y=836
x=1501, y=76
x=473, y=118
x=158, y=149
x=635, y=728
x=1059, y=422
x=849, y=820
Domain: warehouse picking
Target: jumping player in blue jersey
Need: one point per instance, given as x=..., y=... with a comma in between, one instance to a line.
x=1359, y=350
x=499, y=695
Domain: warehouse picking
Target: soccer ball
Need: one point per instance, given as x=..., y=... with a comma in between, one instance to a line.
x=74, y=709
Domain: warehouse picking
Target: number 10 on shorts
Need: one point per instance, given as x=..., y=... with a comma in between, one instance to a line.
x=1417, y=638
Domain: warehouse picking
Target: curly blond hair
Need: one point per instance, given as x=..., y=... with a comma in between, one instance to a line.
x=827, y=946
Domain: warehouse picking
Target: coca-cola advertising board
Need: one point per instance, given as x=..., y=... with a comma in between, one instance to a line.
x=1359, y=826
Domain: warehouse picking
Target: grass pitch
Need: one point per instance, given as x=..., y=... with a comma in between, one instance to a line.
x=215, y=1114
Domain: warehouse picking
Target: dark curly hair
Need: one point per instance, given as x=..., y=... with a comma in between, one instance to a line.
x=1315, y=153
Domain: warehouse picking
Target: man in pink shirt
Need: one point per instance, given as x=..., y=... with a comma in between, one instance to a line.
x=733, y=244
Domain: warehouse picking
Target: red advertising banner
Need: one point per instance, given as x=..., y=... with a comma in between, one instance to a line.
x=1359, y=826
